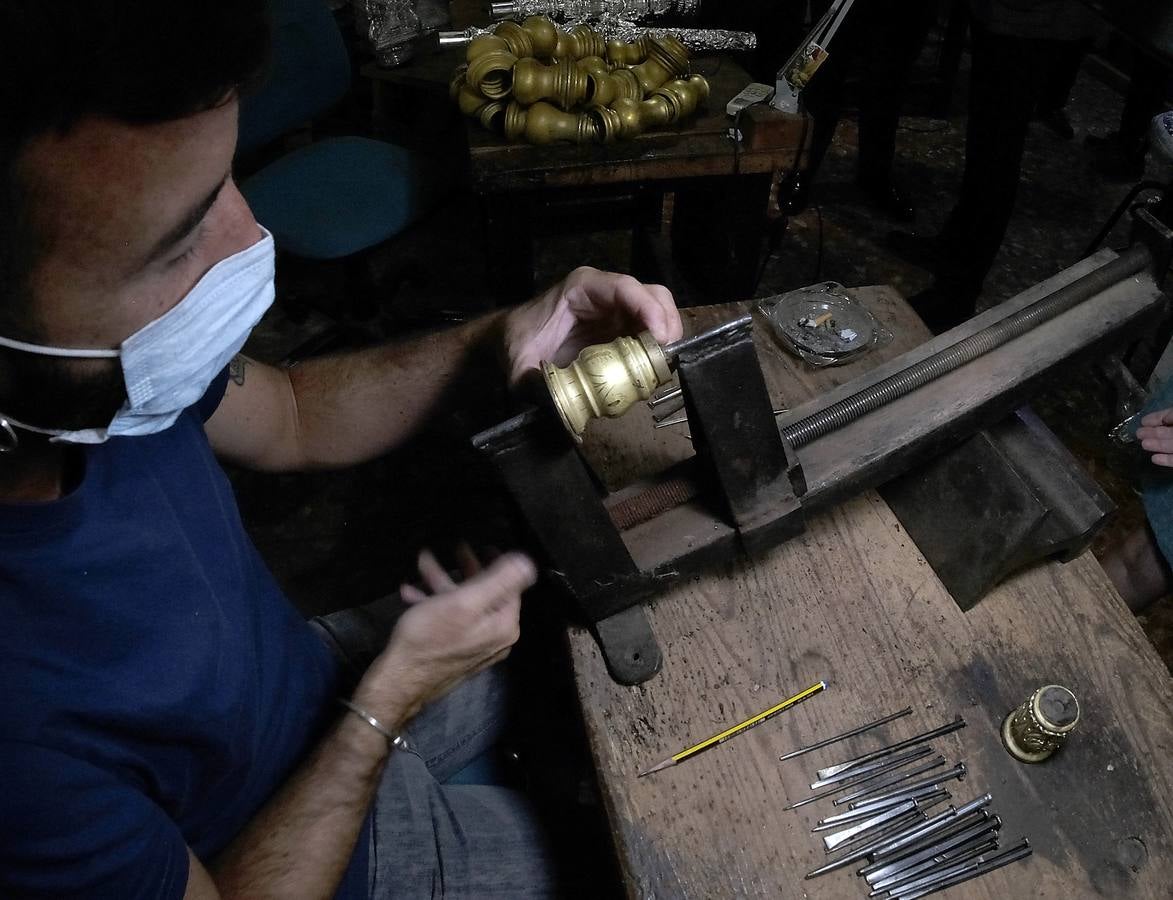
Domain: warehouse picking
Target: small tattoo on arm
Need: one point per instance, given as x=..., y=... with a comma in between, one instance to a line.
x=236, y=369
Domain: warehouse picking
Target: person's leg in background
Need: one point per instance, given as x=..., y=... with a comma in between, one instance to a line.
x=895, y=32
x=1004, y=76
x=1138, y=568
x=1120, y=155
x=1055, y=89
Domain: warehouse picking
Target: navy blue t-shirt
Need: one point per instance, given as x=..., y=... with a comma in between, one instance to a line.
x=156, y=686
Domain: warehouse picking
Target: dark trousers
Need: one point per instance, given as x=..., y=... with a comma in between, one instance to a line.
x=1005, y=77
x=1055, y=90
x=879, y=40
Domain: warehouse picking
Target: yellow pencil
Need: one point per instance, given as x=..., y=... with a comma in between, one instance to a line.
x=736, y=729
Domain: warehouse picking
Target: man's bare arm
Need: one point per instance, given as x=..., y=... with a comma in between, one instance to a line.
x=341, y=410
x=336, y=411
x=300, y=842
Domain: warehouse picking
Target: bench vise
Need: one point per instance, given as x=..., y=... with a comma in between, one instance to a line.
x=746, y=489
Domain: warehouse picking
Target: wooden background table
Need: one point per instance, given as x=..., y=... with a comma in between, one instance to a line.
x=853, y=602
x=720, y=190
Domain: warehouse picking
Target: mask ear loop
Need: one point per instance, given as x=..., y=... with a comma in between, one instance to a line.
x=8, y=439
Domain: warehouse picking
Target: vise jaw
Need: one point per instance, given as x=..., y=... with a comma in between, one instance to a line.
x=609, y=557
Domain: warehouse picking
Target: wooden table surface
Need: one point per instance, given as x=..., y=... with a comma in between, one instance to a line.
x=853, y=602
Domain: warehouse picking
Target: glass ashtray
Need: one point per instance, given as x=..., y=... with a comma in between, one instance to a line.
x=821, y=323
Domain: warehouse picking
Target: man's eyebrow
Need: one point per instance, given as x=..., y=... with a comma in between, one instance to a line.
x=186, y=225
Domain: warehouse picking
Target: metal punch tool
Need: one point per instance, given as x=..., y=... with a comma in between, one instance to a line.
x=957, y=772
x=908, y=867
x=833, y=841
x=921, y=795
x=861, y=778
x=936, y=823
x=1021, y=851
x=960, y=854
x=877, y=767
x=949, y=728
x=885, y=783
x=847, y=734
x=894, y=829
x=983, y=829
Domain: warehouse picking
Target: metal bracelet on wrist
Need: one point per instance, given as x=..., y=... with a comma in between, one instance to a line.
x=394, y=741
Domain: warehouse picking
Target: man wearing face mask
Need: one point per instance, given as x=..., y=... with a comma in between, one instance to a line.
x=170, y=722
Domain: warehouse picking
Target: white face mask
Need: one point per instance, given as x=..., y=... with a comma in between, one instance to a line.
x=169, y=363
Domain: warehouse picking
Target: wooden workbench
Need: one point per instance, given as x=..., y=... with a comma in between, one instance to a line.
x=853, y=602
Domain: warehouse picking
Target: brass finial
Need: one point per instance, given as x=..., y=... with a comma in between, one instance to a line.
x=606, y=380
x=1040, y=726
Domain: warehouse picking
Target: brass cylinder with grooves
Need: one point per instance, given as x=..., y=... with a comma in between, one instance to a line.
x=546, y=124
x=492, y=74
x=1041, y=725
x=563, y=82
x=606, y=380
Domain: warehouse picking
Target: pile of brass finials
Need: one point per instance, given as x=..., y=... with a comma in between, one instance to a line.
x=535, y=82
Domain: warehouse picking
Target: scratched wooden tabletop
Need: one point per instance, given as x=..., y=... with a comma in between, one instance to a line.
x=852, y=602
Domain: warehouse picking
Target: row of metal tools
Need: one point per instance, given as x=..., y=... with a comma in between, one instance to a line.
x=905, y=852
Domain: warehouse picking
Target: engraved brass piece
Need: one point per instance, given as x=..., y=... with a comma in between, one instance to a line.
x=606, y=380
x=1040, y=726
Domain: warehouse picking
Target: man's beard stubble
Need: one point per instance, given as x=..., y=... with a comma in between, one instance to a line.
x=60, y=394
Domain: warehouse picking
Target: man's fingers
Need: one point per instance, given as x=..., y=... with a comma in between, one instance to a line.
x=595, y=295
x=511, y=574
x=675, y=327
x=469, y=564
x=500, y=583
x=651, y=305
x=433, y=573
x=1161, y=432
x=1163, y=459
x=411, y=594
x=1158, y=444
x=1160, y=417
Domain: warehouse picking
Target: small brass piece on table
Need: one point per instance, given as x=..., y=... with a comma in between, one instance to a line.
x=606, y=380
x=1040, y=726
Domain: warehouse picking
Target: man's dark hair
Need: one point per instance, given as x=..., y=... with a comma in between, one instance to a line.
x=62, y=61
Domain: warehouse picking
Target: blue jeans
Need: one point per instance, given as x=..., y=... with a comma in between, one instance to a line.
x=431, y=839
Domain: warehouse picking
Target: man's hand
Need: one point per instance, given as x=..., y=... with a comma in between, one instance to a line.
x=587, y=307
x=1156, y=436
x=447, y=636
